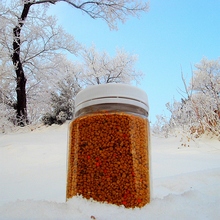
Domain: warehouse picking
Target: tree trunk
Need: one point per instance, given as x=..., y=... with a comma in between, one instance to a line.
x=21, y=106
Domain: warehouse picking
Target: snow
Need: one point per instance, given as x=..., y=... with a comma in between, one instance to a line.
x=185, y=180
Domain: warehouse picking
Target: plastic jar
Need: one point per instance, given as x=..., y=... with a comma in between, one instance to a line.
x=109, y=152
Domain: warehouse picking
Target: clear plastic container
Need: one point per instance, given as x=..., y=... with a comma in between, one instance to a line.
x=109, y=152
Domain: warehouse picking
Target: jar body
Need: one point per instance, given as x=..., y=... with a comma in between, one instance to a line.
x=109, y=157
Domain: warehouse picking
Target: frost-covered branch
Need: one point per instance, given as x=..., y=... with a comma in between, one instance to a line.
x=108, y=10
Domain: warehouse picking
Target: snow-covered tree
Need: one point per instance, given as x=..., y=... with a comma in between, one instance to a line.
x=199, y=112
x=206, y=80
x=205, y=99
x=32, y=49
x=101, y=68
x=62, y=96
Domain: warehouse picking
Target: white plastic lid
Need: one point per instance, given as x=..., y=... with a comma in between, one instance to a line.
x=111, y=93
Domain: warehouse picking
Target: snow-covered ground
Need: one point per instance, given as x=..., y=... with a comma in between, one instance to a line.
x=185, y=180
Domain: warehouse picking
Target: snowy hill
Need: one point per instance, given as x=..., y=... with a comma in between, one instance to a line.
x=185, y=180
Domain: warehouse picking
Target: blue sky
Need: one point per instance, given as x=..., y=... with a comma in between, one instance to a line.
x=174, y=34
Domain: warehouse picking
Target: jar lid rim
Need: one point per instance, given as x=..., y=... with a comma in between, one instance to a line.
x=111, y=90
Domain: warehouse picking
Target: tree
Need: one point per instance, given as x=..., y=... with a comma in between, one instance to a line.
x=199, y=111
x=101, y=68
x=109, y=11
x=206, y=80
x=63, y=94
x=32, y=50
x=205, y=100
